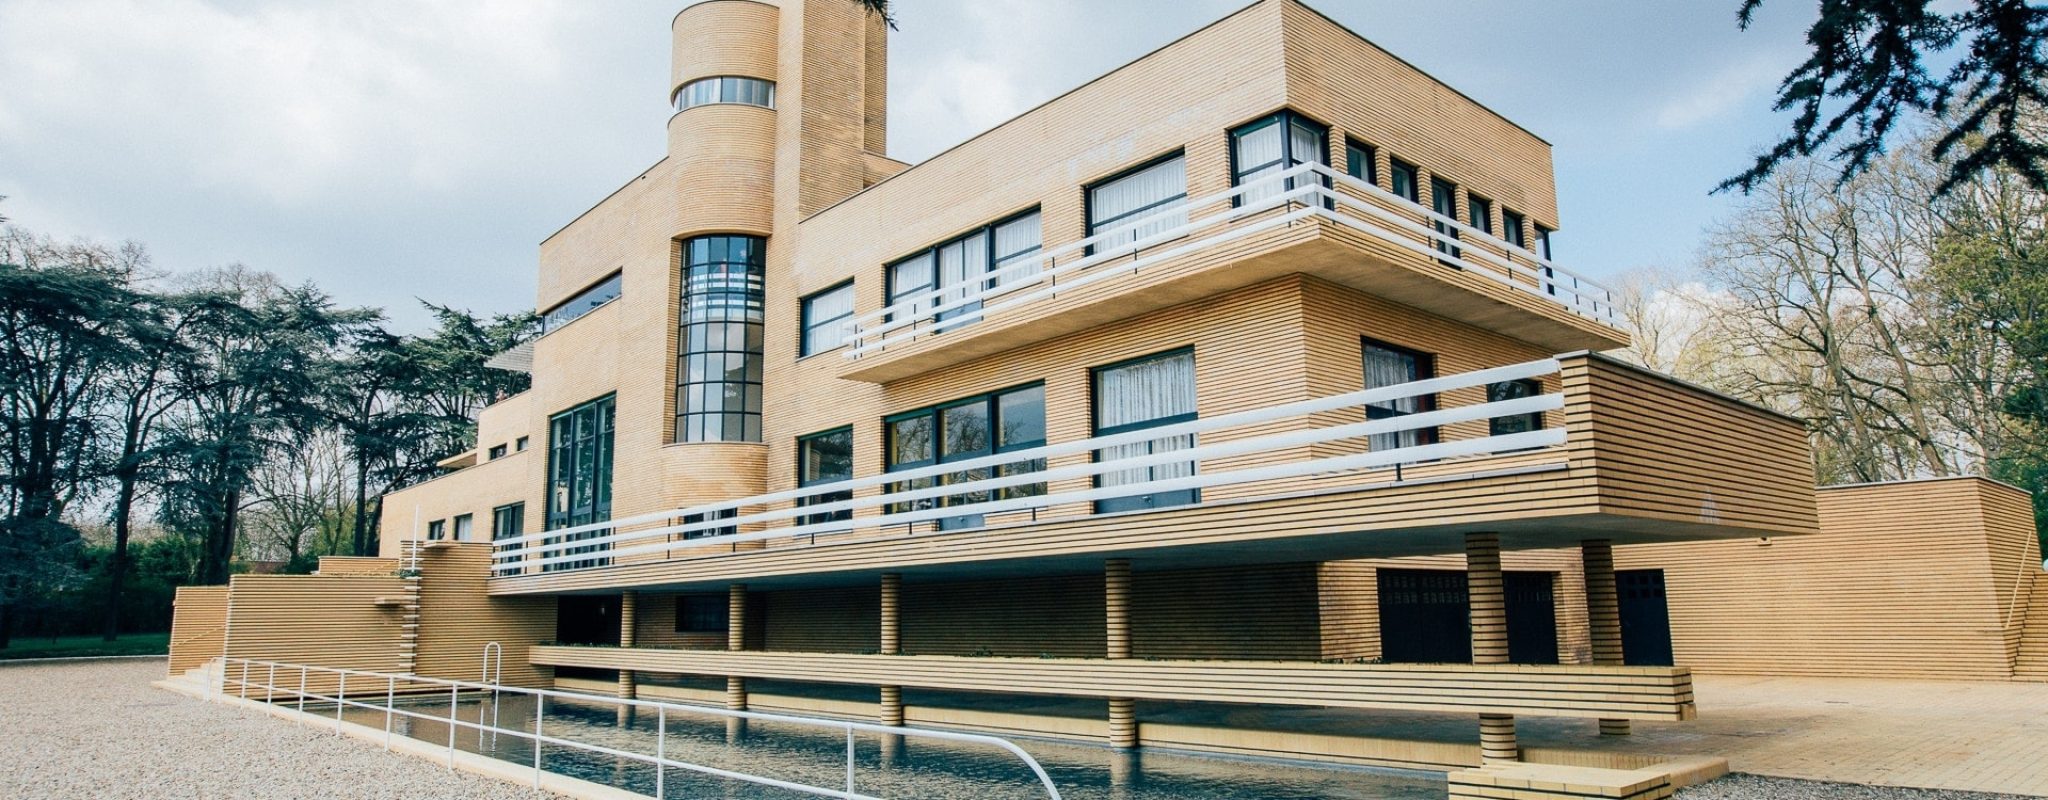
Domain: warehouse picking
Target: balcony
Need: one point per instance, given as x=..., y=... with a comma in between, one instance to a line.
x=1616, y=453
x=1308, y=219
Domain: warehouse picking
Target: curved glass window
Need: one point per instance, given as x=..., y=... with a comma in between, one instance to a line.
x=718, y=366
x=745, y=91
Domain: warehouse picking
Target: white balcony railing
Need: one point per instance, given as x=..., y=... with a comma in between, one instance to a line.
x=891, y=500
x=1307, y=191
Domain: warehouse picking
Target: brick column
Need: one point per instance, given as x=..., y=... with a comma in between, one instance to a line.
x=1603, y=614
x=1116, y=598
x=892, y=644
x=629, y=687
x=1490, y=637
x=736, y=639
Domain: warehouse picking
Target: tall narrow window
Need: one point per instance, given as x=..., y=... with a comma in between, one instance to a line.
x=824, y=458
x=465, y=527
x=1405, y=181
x=1274, y=145
x=1387, y=365
x=1443, y=198
x=971, y=428
x=1511, y=228
x=1514, y=423
x=508, y=521
x=437, y=530
x=1148, y=393
x=1543, y=249
x=965, y=267
x=718, y=368
x=1359, y=163
x=1479, y=213
x=580, y=475
x=827, y=319
x=1155, y=193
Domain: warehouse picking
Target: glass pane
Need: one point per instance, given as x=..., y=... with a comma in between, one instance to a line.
x=910, y=440
x=1150, y=191
x=1145, y=391
x=1020, y=417
x=964, y=431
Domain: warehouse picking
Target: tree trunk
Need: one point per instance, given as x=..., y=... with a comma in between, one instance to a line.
x=362, y=530
x=124, y=505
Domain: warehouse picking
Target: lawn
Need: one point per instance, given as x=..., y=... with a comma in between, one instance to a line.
x=129, y=644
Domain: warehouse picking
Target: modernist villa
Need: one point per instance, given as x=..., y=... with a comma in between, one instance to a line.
x=1243, y=374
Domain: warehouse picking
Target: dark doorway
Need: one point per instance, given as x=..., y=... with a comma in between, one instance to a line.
x=589, y=620
x=1645, y=618
x=1425, y=617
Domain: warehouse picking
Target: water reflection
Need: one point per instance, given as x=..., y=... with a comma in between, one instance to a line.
x=885, y=766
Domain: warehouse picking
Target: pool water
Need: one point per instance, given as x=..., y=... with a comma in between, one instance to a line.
x=885, y=766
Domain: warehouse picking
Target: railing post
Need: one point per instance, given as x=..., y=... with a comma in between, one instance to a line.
x=540, y=709
x=302, y=688
x=340, y=699
x=390, y=705
x=660, y=752
x=245, y=679
x=849, y=759
x=270, y=685
x=453, y=692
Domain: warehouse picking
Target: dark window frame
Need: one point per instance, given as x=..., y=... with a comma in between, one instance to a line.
x=1425, y=369
x=1286, y=119
x=1353, y=148
x=1514, y=423
x=1479, y=212
x=992, y=403
x=1397, y=169
x=803, y=445
x=515, y=514
x=566, y=483
x=1443, y=200
x=806, y=323
x=892, y=293
x=437, y=530
x=1154, y=500
x=699, y=620
x=611, y=287
x=707, y=281
x=1092, y=226
x=498, y=451
x=1511, y=227
x=729, y=92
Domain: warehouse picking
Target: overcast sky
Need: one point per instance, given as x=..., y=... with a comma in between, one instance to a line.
x=396, y=149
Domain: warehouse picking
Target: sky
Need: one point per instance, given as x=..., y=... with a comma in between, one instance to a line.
x=394, y=151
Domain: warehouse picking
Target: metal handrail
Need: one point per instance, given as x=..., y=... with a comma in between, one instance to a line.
x=520, y=552
x=660, y=759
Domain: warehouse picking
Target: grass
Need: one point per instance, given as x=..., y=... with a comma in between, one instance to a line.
x=128, y=644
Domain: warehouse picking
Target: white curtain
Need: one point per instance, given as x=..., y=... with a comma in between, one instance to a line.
x=1258, y=147
x=909, y=280
x=1161, y=182
x=829, y=320
x=1018, y=241
x=1140, y=393
x=1385, y=367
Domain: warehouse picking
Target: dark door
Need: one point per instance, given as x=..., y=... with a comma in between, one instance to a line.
x=1645, y=618
x=1532, y=617
x=1425, y=617
x=587, y=619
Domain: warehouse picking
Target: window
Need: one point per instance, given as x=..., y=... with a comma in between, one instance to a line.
x=1273, y=145
x=727, y=530
x=971, y=428
x=1147, y=393
x=437, y=530
x=497, y=452
x=1479, y=212
x=702, y=613
x=584, y=302
x=965, y=265
x=1388, y=365
x=508, y=521
x=1511, y=228
x=1543, y=249
x=1152, y=189
x=825, y=458
x=1405, y=180
x=580, y=475
x=1443, y=198
x=718, y=367
x=1514, y=423
x=1359, y=163
x=465, y=528
x=827, y=319
x=728, y=89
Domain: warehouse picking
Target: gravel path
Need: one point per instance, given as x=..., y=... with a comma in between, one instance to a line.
x=1757, y=787
x=97, y=729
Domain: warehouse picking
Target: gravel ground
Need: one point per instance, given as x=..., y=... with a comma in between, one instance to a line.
x=97, y=729
x=1739, y=786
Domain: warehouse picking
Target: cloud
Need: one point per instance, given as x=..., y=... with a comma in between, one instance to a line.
x=1725, y=91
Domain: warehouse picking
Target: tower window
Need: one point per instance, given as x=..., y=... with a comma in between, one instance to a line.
x=727, y=89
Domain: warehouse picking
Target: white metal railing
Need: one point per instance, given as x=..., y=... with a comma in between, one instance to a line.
x=386, y=687
x=795, y=514
x=1306, y=191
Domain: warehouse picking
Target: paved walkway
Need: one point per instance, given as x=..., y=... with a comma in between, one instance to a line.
x=98, y=729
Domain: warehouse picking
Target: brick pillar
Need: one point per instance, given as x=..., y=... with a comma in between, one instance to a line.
x=736, y=639
x=629, y=686
x=1603, y=614
x=892, y=644
x=1116, y=598
x=1490, y=637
